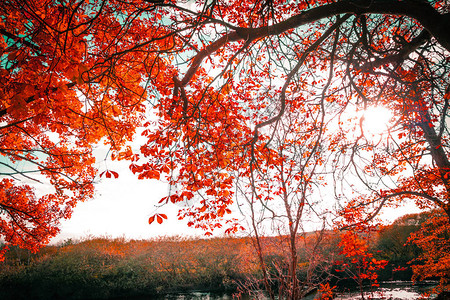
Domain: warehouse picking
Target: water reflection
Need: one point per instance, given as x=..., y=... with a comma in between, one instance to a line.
x=393, y=290
x=199, y=296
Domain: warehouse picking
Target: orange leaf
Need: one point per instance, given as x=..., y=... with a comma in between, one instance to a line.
x=159, y=219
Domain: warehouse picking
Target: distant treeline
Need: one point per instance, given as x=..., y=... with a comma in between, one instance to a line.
x=102, y=268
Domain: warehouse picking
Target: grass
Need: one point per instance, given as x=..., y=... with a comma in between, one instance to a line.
x=104, y=268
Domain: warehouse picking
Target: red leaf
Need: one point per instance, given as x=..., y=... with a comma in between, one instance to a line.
x=159, y=219
x=109, y=174
x=164, y=199
x=151, y=219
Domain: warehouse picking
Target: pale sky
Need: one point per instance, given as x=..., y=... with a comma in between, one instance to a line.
x=121, y=208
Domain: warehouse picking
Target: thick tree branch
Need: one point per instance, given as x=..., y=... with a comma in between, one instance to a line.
x=291, y=74
x=402, y=54
x=436, y=24
x=435, y=143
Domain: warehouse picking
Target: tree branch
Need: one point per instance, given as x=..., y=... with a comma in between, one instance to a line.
x=428, y=17
x=402, y=54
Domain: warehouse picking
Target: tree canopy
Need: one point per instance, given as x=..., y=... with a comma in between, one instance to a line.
x=254, y=100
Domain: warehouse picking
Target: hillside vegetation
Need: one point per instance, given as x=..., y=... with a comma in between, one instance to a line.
x=101, y=268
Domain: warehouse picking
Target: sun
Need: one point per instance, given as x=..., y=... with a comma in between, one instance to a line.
x=376, y=120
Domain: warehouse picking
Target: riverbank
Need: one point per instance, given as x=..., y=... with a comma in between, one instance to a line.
x=102, y=268
x=398, y=290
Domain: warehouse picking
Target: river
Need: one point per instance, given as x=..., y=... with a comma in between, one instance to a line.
x=391, y=290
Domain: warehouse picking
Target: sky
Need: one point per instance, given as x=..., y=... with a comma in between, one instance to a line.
x=121, y=207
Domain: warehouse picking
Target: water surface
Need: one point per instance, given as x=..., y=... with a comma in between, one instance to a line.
x=391, y=290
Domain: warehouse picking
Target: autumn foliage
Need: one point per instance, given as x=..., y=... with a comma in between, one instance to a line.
x=59, y=98
x=105, y=267
x=433, y=240
x=359, y=263
x=241, y=103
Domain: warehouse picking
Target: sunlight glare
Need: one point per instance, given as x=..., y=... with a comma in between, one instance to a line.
x=376, y=120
